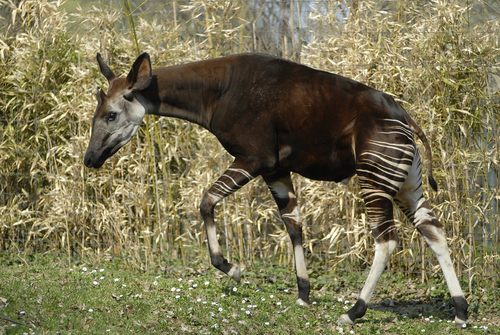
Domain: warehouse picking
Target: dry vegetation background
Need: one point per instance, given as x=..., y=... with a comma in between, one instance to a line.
x=439, y=59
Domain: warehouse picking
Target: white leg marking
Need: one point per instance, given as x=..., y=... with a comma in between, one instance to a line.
x=294, y=215
x=423, y=215
x=243, y=172
x=281, y=190
x=440, y=248
x=234, y=181
x=212, y=239
x=300, y=262
x=383, y=252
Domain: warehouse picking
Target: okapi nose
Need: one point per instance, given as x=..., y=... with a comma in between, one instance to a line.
x=87, y=160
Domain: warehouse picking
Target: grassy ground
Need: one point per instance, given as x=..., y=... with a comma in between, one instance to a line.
x=40, y=294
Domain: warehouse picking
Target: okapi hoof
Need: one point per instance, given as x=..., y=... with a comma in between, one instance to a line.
x=344, y=320
x=235, y=273
x=301, y=303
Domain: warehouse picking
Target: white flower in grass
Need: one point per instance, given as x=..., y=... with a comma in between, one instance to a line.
x=248, y=312
x=266, y=323
x=195, y=285
x=207, y=282
x=307, y=323
x=220, y=309
x=155, y=283
x=101, y=278
x=180, y=279
x=178, y=290
x=117, y=279
x=70, y=270
x=285, y=290
x=272, y=296
x=223, y=295
x=173, y=289
x=84, y=269
x=198, y=300
x=93, y=271
x=278, y=303
x=124, y=285
x=235, y=289
x=90, y=310
x=101, y=270
x=177, y=296
x=95, y=282
x=263, y=299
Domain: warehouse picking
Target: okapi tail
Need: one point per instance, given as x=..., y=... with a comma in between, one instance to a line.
x=416, y=129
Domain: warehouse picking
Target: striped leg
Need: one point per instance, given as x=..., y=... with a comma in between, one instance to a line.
x=412, y=202
x=380, y=214
x=382, y=169
x=282, y=189
x=232, y=180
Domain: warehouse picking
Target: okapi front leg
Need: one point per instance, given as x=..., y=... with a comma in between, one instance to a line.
x=282, y=190
x=232, y=180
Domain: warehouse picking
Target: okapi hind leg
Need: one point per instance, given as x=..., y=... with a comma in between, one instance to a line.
x=232, y=180
x=281, y=187
x=433, y=232
x=380, y=214
x=412, y=202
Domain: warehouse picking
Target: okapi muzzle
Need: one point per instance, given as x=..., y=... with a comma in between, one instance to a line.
x=276, y=117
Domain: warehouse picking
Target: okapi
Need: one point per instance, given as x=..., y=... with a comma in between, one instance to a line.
x=276, y=117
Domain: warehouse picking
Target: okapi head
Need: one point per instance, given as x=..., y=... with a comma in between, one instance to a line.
x=120, y=112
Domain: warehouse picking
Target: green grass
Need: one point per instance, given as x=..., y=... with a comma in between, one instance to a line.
x=47, y=296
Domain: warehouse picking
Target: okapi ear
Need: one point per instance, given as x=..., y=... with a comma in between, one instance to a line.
x=99, y=94
x=105, y=70
x=140, y=75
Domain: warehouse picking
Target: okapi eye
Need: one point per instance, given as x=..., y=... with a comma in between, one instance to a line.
x=111, y=116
